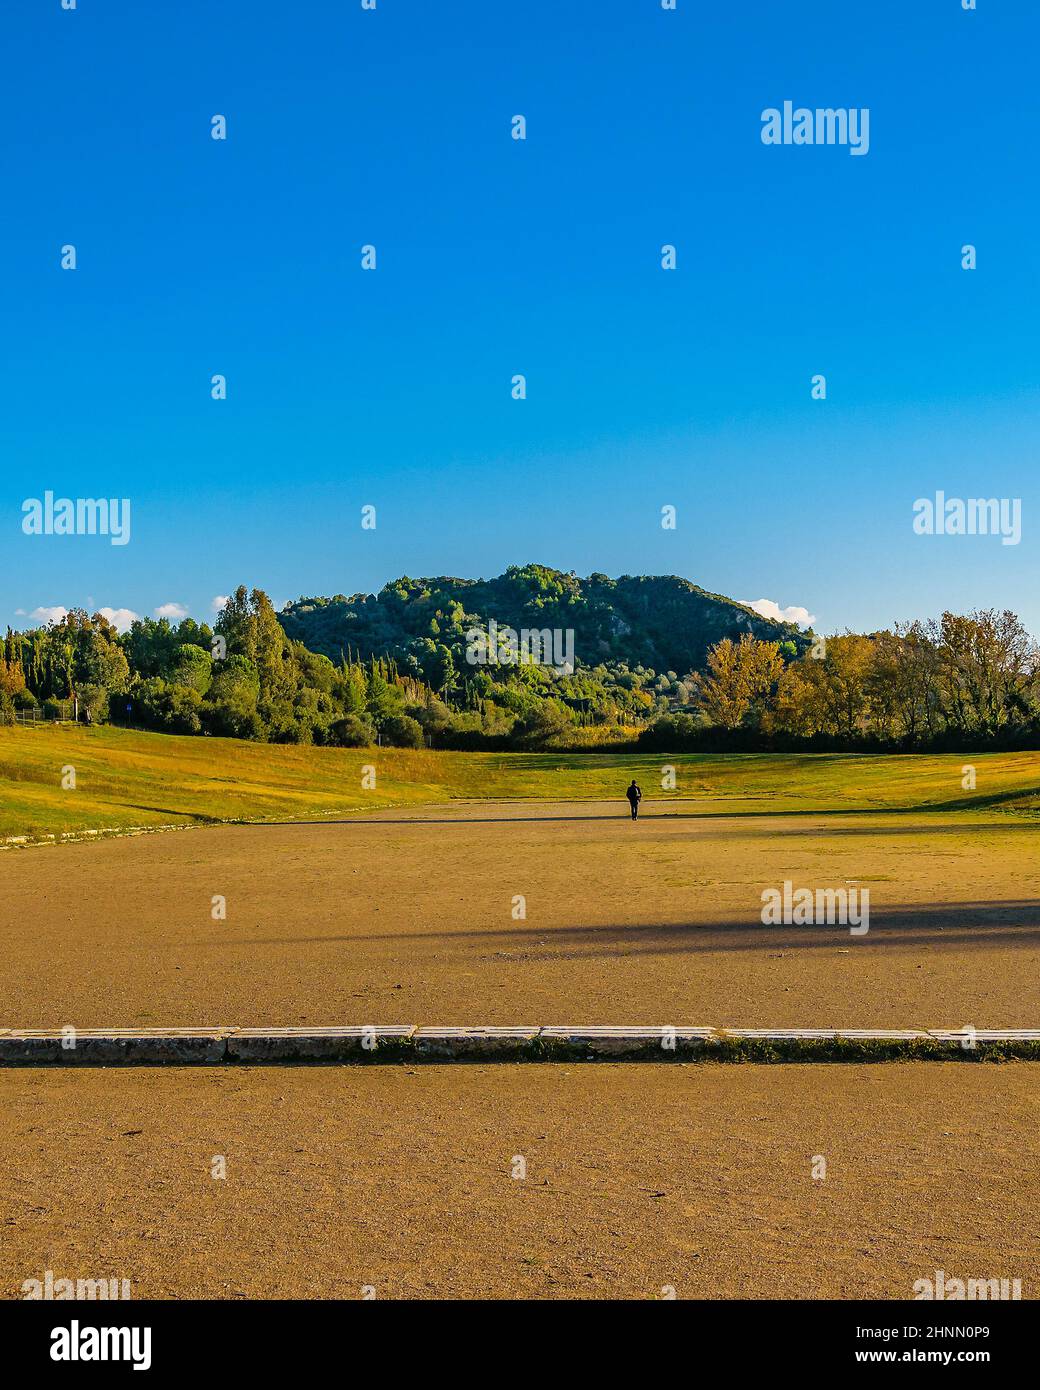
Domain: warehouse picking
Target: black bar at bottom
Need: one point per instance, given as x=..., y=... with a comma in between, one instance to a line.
x=272, y=1338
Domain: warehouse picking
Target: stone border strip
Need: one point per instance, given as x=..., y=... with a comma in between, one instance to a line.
x=408, y=1042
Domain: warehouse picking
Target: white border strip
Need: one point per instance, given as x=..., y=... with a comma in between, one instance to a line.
x=26, y=1046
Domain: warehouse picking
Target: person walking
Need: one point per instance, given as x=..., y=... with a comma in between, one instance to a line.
x=635, y=796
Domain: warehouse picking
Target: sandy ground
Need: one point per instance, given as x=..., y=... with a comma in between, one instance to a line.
x=406, y=917
x=638, y=1177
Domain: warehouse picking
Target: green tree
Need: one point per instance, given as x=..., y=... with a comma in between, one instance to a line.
x=193, y=667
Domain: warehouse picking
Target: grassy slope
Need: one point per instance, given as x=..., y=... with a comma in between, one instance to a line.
x=126, y=779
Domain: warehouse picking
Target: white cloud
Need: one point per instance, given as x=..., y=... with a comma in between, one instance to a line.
x=49, y=615
x=120, y=618
x=171, y=610
x=766, y=608
x=217, y=603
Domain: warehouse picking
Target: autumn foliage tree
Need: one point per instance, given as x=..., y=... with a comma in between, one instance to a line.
x=975, y=675
x=740, y=679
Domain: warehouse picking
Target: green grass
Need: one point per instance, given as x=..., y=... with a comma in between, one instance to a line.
x=127, y=779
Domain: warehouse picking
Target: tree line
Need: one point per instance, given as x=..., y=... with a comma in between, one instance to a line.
x=958, y=681
x=245, y=677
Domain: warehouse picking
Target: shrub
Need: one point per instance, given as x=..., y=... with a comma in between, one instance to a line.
x=175, y=709
x=401, y=731
x=352, y=732
x=670, y=734
x=548, y=721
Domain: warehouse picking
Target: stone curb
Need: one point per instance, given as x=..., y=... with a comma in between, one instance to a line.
x=408, y=1042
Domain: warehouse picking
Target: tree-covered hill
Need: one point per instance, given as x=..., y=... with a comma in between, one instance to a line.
x=661, y=622
x=431, y=662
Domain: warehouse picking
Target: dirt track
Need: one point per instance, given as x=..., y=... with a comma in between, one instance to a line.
x=407, y=917
x=638, y=1177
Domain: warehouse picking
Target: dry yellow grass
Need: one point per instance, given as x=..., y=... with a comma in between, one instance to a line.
x=126, y=779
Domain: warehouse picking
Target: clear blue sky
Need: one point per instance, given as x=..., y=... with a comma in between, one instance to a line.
x=495, y=256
